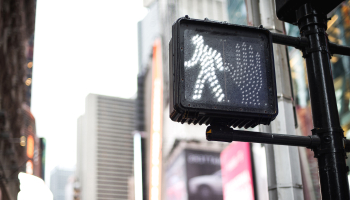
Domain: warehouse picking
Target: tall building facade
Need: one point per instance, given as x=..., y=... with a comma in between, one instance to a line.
x=105, y=147
x=154, y=36
x=58, y=181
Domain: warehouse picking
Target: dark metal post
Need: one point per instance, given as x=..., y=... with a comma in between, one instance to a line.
x=331, y=153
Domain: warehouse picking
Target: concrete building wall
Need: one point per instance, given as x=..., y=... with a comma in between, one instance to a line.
x=89, y=150
x=80, y=143
x=148, y=32
x=106, y=154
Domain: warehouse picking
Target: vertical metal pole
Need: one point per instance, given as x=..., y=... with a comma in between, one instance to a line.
x=253, y=13
x=283, y=164
x=331, y=154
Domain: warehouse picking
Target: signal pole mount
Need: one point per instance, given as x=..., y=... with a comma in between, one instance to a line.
x=331, y=153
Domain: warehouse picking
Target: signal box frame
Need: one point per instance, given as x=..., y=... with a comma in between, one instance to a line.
x=185, y=112
x=286, y=10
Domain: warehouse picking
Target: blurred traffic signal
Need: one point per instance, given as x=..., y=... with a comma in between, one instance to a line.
x=286, y=9
x=30, y=146
x=221, y=73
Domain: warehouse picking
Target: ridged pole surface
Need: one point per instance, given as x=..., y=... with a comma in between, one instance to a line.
x=331, y=153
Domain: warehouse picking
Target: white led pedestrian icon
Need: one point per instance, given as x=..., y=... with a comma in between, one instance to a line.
x=210, y=60
x=245, y=71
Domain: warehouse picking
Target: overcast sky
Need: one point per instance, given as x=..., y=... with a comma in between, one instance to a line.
x=80, y=47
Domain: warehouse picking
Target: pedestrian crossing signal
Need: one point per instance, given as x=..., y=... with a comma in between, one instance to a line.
x=221, y=72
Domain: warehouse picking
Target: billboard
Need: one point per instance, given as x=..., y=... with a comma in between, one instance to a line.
x=203, y=175
x=194, y=175
x=237, y=172
x=175, y=177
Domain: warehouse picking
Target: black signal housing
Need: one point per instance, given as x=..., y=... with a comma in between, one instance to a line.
x=221, y=73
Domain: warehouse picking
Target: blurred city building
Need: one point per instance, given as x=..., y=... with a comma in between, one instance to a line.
x=35, y=146
x=152, y=108
x=60, y=177
x=175, y=133
x=156, y=26
x=21, y=149
x=105, y=147
x=71, y=188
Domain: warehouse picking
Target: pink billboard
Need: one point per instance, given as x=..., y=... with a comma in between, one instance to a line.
x=236, y=167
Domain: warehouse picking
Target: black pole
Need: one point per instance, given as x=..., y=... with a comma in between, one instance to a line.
x=339, y=49
x=297, y=42
x=226, y=134
x=331, y=153
x=302, y=42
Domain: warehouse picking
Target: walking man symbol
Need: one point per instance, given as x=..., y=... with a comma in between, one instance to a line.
x=246, y=72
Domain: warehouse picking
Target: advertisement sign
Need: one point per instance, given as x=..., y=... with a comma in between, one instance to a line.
x=237, y=173
x=194, y=175
x=203, y=175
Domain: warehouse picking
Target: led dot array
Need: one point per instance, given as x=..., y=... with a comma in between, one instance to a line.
x=209, y=60
x=247, y=73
